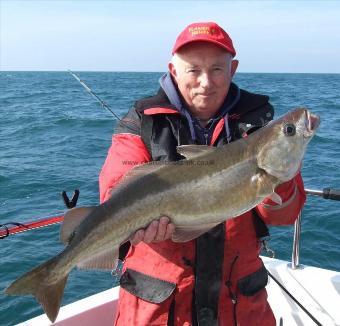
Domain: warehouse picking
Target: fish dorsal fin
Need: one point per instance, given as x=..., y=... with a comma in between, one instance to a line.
x=106, y=260
x=189, y=232
x=137, y=172
x=72, y=219
x=141, y=170
x=192, y=151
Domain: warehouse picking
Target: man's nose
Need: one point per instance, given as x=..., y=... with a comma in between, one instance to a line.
x=205, y=80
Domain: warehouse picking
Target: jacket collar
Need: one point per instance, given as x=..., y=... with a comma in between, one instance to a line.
x=171, y=92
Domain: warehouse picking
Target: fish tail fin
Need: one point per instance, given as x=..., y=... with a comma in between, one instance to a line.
x=38, y=283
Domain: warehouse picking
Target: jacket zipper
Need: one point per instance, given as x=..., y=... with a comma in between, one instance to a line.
x=206, y=136
x=232, y=294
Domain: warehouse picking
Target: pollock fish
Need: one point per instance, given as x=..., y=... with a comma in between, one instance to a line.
x=208, y=187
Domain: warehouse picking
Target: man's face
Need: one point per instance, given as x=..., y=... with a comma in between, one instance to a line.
x=203, y=72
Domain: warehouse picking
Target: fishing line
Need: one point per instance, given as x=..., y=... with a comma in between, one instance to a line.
x=295, y=300
x=95, y=96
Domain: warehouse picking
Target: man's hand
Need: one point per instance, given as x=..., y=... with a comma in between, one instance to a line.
x=157, y=230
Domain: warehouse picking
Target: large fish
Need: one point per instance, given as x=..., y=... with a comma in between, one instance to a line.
x=209, y=187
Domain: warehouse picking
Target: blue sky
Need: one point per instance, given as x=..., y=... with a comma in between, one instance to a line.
x=269, y=36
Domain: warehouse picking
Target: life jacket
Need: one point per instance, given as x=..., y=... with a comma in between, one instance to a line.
x=169, y=283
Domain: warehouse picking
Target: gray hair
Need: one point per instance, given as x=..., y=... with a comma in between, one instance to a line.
x=175, y=57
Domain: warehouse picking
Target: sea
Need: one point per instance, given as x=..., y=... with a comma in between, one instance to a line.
x=54, y=136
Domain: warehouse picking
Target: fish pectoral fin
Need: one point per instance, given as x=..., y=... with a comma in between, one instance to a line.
x=191, y=151
x=72, y=219
x=275, y=198
x=106, y=260
x=266, y=185
x=187, y=233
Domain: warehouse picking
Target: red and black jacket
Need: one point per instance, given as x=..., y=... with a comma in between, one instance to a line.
x=178, y=273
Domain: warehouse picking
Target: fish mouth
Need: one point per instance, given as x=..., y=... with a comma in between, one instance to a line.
x=312, y=122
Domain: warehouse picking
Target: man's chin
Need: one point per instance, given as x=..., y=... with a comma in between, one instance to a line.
x=205, y=108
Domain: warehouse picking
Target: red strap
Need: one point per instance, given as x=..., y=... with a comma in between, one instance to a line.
x=160, y=110
x=217, y=131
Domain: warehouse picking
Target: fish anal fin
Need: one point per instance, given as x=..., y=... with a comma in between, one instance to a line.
x=192, y=151
x=105, y=260
x=72, y=219
x=187, y=233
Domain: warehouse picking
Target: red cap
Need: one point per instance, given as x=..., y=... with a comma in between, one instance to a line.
x=206, y=32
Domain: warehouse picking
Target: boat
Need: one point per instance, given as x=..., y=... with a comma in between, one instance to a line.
x=317, y=289
x=298, y=294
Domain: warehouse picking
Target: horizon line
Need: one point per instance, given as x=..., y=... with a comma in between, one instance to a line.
x=160, y=72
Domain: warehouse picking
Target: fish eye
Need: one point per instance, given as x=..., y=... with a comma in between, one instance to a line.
x=289, y=129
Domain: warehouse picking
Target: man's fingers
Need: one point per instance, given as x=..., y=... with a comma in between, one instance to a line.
x=151, y=231
x=137, y=237
x=157, y=230
x=162, y=227
x=169, y=231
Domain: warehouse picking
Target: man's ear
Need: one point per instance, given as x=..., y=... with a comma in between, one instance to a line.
x=172, y=70
x=234, y=65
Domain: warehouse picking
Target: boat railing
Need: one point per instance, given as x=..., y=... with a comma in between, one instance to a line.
x=326, y=193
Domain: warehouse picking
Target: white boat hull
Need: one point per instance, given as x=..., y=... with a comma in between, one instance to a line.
x=318, y=290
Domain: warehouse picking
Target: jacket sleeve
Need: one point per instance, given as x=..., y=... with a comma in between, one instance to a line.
x=127, y=150
x=293, y=198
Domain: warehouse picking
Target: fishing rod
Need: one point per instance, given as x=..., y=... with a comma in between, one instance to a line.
x=10, y=228
x=94, y=95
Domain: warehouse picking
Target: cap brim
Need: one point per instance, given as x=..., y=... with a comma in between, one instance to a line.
x=228, y=49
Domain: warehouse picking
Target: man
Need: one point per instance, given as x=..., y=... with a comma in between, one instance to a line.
x=217, y=279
